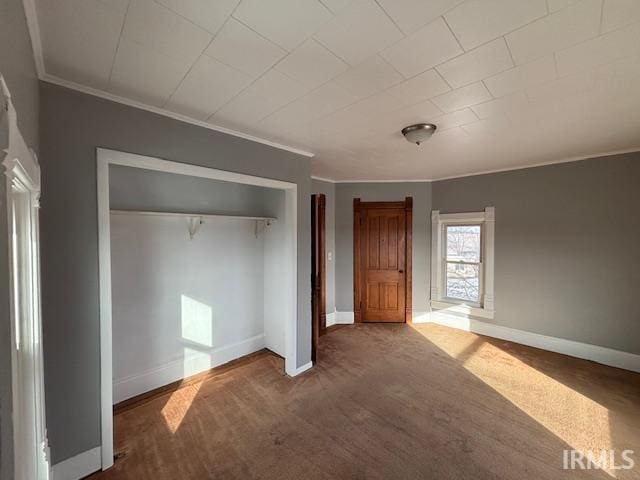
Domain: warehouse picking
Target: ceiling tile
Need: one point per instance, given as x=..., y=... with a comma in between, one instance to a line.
x=270, y=92
x=455, y=119
x=335, y=5
x=522, y=77
x=79, y=39
x=420, y=88
x=311, y=64
x=621, y=76
x=617, y=13
x=319, y=103
x=426, y=48
x=144, y=74
x=158, y=28
x=377, y=104
x=289, y=117
x=462, y=97
x=120, y=6
x=371, y=76
x=605, y=48
x=410, y=15
x=285, y=22
x=422, y=112
x=502, y=106
x=478, y=21
x=555, y=5
x=204, y=13
x=346, y=120
x=477, y=64
x=208, y=85
x=554, y=32
x=358, y=31
x=562, y=88
x=242, y=48
x=481, y=128
x=328, y=98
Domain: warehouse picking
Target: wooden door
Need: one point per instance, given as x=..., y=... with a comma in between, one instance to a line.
x=382, y=251
x=318, y=271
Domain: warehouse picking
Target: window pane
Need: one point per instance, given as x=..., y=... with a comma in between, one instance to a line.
x=463, y=282
x=463, y=243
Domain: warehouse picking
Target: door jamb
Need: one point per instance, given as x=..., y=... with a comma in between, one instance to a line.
x=358, y=207
x=318, y=269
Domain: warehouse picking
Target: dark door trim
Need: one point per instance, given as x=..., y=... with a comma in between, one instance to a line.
x=358, y=287
x=318, y=270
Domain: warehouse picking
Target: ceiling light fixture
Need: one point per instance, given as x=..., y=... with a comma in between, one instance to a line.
x=418, y=133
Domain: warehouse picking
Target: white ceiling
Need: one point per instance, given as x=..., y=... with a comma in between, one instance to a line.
x=509, y=83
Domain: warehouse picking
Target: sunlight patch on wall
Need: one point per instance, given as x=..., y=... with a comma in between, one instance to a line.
x=197, y=322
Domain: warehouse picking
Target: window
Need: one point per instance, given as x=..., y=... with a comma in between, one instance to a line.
x=462, y=262
x=463, y=267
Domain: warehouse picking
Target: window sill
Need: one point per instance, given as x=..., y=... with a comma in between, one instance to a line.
x=468, y=311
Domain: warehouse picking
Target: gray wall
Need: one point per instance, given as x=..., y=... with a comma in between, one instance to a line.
x=567, y=246
x=139, y=189
x=72, y=126
x=18, y=69
x=369, y=192
x=329, y=190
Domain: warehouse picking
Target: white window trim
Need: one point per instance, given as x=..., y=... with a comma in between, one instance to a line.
x=438, y=300
x=22, y=177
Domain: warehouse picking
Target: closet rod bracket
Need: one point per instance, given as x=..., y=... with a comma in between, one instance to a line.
x=261, y=225
x=193, y=225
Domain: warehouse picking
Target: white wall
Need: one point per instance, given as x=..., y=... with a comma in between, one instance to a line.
x=182, y=306
x=277, y=264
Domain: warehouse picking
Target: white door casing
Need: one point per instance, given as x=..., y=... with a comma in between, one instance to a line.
x=22, y=172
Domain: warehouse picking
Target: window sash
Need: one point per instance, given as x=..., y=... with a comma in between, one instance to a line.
x=446, y=225
x=479, y=264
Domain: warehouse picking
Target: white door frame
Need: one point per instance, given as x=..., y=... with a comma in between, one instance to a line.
x=31, y=447
x=107, y=157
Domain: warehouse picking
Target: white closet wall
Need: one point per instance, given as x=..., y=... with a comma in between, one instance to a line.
x=182, y=306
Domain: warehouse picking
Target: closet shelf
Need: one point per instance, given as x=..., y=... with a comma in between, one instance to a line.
x=195, y=220
x=189, y=215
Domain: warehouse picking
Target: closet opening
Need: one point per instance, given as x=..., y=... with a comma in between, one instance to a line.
x=198, y=267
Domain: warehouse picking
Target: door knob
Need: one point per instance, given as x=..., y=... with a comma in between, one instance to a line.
x=400, y=271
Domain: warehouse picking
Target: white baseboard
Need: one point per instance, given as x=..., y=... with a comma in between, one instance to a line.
x=77, y=467
x=178, y=369
x=339, y=318
x=301, y=369
x=606, y=356
x=344, y=318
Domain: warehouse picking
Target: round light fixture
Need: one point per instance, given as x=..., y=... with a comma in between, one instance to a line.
x=418, y=133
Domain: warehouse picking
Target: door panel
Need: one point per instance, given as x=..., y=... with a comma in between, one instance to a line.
x=383, y=238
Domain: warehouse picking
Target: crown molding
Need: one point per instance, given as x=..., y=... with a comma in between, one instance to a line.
x=322, y=179
x=34, y=32
x=498, y=170
x=31, y=15
x=166, y=113
x=576, y=158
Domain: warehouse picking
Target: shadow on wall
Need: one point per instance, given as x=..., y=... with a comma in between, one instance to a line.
x=390, y=401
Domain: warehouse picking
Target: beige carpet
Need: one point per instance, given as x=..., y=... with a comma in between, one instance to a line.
x=388, y=402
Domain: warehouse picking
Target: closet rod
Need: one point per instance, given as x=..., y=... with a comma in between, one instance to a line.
x=190, y=215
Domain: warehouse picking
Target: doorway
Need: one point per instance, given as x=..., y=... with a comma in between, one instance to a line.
x=382, y=234
x=318, y=271
x=280, y=272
